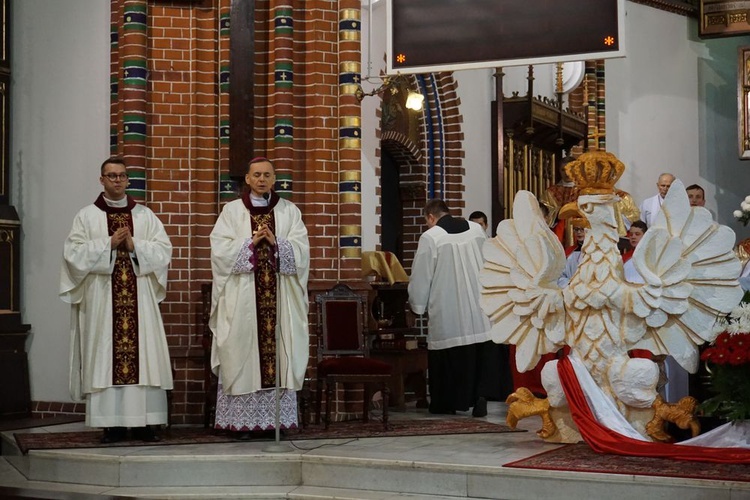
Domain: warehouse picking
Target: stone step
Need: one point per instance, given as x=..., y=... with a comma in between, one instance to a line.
x=219, y=471
x=416, y=467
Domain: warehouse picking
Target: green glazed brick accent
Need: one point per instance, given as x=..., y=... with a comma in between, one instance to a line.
x=228, y=189
x=135, y=17
x=224, y=24
x=284, y=74
x=284, y=185
x=283, y=22
x=134, y=128
x=283, y=131
x=224, y=132
x=137, y=184
x=134, y=72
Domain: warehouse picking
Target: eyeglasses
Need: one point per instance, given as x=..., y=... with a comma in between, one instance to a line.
x=114, y=177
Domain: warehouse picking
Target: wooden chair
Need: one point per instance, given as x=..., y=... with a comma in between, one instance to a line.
x=343, y=351
x=211, y=381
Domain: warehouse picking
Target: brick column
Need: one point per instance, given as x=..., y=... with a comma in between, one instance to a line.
x=350, y=142
x=600, y=106
x=281, y=100
x=228, y=188
x=590, y=91
x=114, y=76
x=133, y=49
x=317, y=139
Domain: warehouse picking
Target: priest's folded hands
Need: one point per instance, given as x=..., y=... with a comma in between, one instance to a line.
x=123, y=236
x=264, y=233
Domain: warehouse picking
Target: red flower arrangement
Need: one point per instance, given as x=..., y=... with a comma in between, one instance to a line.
x=728, y=362
x=729, y=349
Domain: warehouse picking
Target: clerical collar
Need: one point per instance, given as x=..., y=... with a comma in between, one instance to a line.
x=116, y=203
x=111, y=206
x=251, y=202
x=258, y=201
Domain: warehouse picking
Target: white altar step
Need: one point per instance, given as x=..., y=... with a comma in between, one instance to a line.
x=438, y=467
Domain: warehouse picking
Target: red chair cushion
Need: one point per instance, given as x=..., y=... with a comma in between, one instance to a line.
x=352, y=365
x=342, y=325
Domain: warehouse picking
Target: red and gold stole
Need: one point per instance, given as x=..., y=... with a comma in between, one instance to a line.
x=265, y=289
x=124, y=300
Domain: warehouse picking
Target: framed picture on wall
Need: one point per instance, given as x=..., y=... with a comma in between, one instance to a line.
x=743, y=101
x=723, y=18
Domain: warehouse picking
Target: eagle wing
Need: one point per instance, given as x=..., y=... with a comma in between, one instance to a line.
x=690, y=274
x=520, y=294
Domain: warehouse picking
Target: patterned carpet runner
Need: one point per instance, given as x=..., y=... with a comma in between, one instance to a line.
x=337, y=430
x=581, y=458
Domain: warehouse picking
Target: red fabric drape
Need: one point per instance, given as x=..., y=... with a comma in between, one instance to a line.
x=604, y=440
x=531, y=379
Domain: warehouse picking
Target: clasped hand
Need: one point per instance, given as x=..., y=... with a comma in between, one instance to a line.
x=264, y=233
x=123, y=237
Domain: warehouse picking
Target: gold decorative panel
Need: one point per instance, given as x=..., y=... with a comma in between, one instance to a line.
x=743, y=101
x=723, y=18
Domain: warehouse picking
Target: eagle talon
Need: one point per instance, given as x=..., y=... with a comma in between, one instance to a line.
x=522, y=403
x=682, y=414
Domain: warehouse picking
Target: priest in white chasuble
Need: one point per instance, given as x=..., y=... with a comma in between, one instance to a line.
x=114, y=274
x=260, y=259
x=444, y=282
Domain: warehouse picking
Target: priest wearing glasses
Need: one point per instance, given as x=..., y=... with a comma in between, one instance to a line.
x=114, y=274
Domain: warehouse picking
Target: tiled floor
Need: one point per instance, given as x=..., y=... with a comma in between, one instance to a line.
x=448, y=466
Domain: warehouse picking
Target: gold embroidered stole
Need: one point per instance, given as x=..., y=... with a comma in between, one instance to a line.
x=265, y=293
x=124, y=300
x=124, y=310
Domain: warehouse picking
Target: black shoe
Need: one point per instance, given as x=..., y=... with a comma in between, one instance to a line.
x=113, y=435
x=480, y=408
x=441, y=411
x=146, y=434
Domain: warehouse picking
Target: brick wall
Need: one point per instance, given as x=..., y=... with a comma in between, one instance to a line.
x=169, y=119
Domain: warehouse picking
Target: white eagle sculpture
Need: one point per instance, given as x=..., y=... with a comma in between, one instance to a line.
x=690, y=274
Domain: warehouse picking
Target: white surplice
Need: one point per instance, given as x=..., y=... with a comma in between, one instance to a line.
x=571, y=266
x=444, y=282
x=86, y=284
x=650, y=208
x=235, y=354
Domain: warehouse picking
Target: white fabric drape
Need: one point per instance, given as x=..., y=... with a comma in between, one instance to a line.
x=730, y=435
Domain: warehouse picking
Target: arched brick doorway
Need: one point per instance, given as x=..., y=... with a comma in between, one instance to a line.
x=421, y=157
